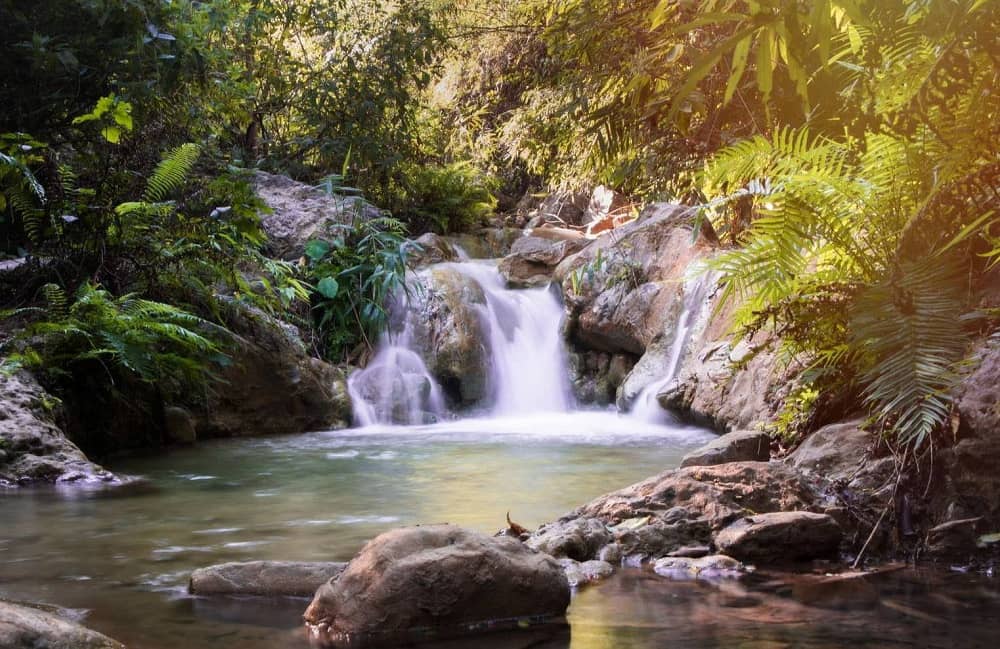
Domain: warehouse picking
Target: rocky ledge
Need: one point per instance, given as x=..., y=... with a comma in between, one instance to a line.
x=31, y=627
x=33, y=449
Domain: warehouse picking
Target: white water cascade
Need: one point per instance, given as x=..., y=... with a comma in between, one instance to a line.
x=696, y=291
x=527, y=373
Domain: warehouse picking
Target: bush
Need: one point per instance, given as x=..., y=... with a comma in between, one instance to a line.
x=454, y=197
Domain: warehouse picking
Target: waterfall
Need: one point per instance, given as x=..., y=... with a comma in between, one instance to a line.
x=396, y=386
x=528, y=362
x=696, y=291
x=527, y=369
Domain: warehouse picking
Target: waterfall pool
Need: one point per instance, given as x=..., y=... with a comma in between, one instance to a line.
x=120, y=558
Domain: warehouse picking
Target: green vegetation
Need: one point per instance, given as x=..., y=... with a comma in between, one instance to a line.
x=847, y=153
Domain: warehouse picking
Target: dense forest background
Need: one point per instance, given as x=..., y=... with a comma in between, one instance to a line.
x=845, y=152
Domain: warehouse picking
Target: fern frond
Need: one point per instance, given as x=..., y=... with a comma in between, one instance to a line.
x=171, y=173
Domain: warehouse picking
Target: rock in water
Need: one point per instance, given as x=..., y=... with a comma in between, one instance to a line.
x=269, y=578
x=25, y=627
x=780, y=536
x=437, y=580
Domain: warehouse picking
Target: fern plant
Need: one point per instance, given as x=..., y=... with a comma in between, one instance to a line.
x=155, y=342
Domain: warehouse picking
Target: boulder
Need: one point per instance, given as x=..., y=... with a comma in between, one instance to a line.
x=436, y=580
x=740, y=446
x=596, y=376
x=266, y=578
x=560, y=208
x=487, y=243
x=301, y=212
x=447, y=328
x=272, y=385
x=953, y=539
x=836, y=451
x=26, y=627
x=578, y=539
x=676, y=509
x=780, y=536
x=33, y=449
x=428, y=249
x=179, y=425
x=586, y=572
x=533, y=259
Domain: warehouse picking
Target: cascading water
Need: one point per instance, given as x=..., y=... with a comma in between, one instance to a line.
x=396, y=386
x=696, y=290
x=528, y=363
x=528, y=371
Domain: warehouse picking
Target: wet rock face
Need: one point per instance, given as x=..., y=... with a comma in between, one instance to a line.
x=749, y=446
x=265, y=578
x=435, y=580
x=32, y=448
x=300, y=212
x=674, y=510
x=430, y=248
x=273, y=386
x=780, y=537
x=448, y=331
x=25, y=627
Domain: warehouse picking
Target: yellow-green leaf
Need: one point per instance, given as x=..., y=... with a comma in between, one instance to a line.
x=740, y=55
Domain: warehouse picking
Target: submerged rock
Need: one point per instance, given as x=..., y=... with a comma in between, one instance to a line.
x=780, y=536
x=715, y=566
x=269, y=578
x=436, y=580
x=32, y=447
x=741, y=446
x=25, y=627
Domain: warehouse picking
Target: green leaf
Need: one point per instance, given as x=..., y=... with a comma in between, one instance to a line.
x=328, y=288
x=740, y=55
x=316, y=249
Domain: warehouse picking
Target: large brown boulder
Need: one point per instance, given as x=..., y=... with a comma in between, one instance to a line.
x=676, y=509
x=33, y=449
x=777, y=537
x=436, y=580
x=27, y=627
x=265, y=578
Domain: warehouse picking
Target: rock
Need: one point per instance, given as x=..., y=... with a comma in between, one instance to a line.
x=958, y=539
x=34, y=449
x=533, y=259
x=732, y=447
x=578, y=539
x=716, y=566
x=25, y=627
x=780, y=536
x=272, y=385
x=268, y=578
x=179, y=425
x=836, y=451
x=300, y=212
x=487, y=243
x=448, y=330
x=596, y=376
x=583, y=573
x=436, y=580
x=428, y=249
x=560, y=208
x=676, y=509
x=691, y=551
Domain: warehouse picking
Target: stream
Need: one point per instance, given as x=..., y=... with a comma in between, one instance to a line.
x=120, y=558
